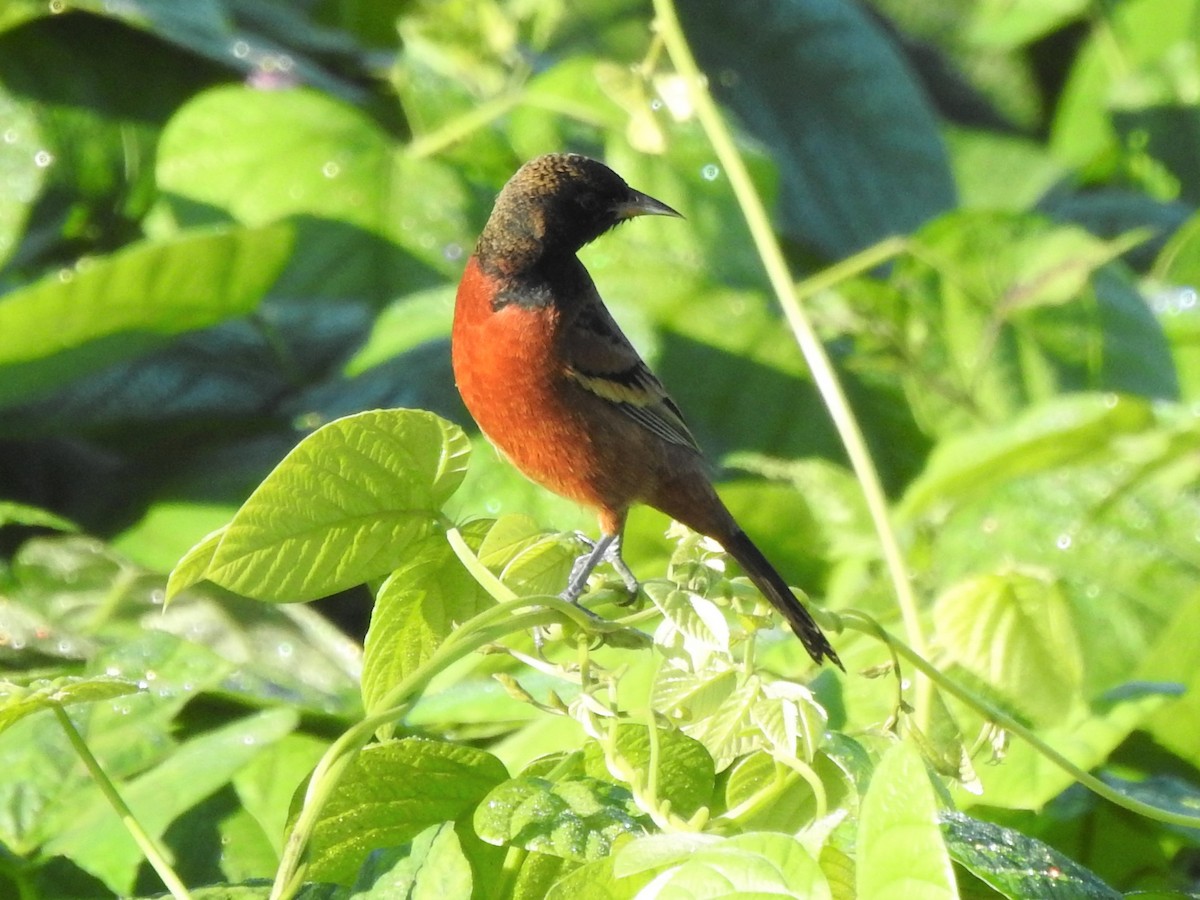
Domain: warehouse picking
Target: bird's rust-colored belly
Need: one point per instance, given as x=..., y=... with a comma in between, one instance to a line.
x=507, y=367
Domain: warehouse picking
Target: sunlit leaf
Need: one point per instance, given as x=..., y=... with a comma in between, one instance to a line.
x=431, y=866
x=340, y=509
x=684, y=775
x=1014, y=631
x=20, y=700
x=900, y=849
x=575, y=818
x=417, y=608
x=392, y=792
x=757, y=865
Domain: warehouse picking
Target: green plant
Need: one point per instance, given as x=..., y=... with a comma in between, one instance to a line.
x=981, y=460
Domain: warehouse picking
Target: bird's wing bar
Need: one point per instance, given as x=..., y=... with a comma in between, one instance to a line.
x=638, y=394
x=602, y=360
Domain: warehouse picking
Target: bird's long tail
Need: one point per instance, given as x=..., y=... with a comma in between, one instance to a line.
x=775, y=589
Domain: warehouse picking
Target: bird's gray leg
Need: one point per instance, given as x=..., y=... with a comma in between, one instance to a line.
x=606, y=549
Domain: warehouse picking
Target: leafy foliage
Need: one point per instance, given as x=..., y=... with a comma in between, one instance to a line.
x=229, y=235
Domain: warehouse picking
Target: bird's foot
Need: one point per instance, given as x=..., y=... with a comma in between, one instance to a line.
x=606, y=549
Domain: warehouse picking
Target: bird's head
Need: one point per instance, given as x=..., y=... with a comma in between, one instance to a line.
x=559, y=202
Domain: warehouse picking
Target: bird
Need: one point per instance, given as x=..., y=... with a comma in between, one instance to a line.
x=557, y=388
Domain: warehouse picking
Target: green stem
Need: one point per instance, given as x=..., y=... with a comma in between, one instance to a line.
x=457, y=129
x=866, y=624
x=819, y=363
x=486, y=628
x=155, y=855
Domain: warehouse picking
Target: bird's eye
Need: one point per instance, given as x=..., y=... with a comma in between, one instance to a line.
x=589, y=202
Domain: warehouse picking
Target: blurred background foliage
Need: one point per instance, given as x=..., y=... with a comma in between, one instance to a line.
x=224, y=222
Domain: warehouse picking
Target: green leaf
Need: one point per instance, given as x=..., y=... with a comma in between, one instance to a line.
x=901, y=853
x=527, y=558
x=368, y=218
x=754, y=866
x=700, y=621
x=1000, y=172
x=94, y=840
x=593, y=881
x=404, y=326
x=1014, y=631
x=1174, y=302
x=193, y=567
x=1150, y=33
x=1116, y=530
x=761, y=793
x=575, y=818
x=392, y=792
x=861, y=158
x=70, y=324
x=685, y=774
x=1017, y=865
x=416, y=609
x=22, y=514
x=18, y=700
x=267, y=783
x=23, y=161
x=993, y=311
x=1009, y=24
x=689, y=696
x=431, y=867
x=342, y=507
x=1045, y=437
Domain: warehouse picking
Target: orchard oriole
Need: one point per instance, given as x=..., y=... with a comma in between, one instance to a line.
x=556, y=386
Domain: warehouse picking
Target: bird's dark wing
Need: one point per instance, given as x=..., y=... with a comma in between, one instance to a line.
x=602, y=360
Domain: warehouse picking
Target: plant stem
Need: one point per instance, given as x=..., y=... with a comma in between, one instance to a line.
x=819, y=363
x=488, y=627
x=155, y=855
x=994, y=714
x=460, y=128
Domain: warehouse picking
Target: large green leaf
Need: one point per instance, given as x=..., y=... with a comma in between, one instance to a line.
x=23, y=162
x=390, y=794
x=755, y=866
x=238, y=369
x=1117, y=531
x=370, y=219
x=71, y=323
x=575, y=818
x=684, y=775
x=417, y=608
x=1044, y=437
x=856, y=141
x=900, y=849
x=994, y=311
x=1013, y=630
x=339, y=510
x=1018, y=866
x=431, y=867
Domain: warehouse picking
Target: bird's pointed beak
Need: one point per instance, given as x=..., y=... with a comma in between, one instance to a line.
x=639, y=204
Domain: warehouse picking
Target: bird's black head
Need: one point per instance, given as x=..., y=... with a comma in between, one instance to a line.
x=556, y=203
